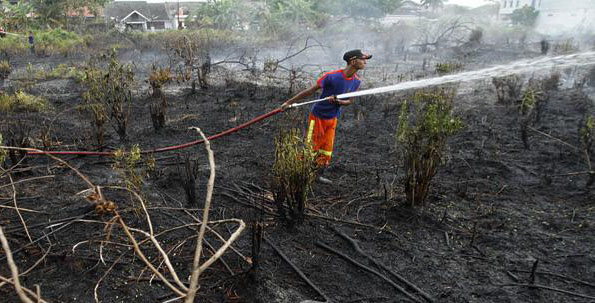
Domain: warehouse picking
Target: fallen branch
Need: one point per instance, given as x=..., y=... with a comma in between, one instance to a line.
x=558, y=276
x=26, y=180
x=297, y=270
x=399, y=277
x=23, y=209
x=550, y=288
x=552, y=137
x=362, y=266
x=381, y=229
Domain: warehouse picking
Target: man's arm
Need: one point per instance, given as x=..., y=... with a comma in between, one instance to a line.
x=303, y=94
x=344, y=102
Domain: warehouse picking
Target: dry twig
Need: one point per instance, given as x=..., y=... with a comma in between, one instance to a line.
x=13, y=269
x=205, y=218
x=399, y=277
x=16, y=207
x=342, y=255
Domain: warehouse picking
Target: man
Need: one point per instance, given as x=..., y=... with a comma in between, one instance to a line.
x=31, y=42
x=322, y=120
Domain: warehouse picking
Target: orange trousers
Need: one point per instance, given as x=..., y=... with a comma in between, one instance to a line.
x=321, y=134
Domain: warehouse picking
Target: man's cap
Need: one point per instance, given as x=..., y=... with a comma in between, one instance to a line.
x=355, y=54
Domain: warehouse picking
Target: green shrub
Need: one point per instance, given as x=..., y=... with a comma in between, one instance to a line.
x=294, y=172
x=448, y=67
x=110, y=91
x=13, y=45
x=62, y=71
x=5, y=69
x=529, y=109
x=126, y=163
x=425, y=124
x=22, y=102
x=57, y=41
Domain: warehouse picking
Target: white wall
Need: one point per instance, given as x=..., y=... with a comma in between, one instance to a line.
x=566, y=17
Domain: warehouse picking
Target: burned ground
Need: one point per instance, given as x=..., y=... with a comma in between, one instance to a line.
x=495, y=211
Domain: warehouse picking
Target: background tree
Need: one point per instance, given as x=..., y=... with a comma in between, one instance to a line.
x=15, y=15
x=433, y=4
x=525, y=16
x=221, y=14
x=54, y=12
x=361, y=9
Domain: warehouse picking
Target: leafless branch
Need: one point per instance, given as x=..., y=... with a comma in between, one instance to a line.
x=205, y=216
x=13, y=269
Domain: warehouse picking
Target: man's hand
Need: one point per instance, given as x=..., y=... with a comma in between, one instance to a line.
x=333, y=100
x=285, y=105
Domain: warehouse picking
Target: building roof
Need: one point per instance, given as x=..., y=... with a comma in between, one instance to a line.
x=122, y=9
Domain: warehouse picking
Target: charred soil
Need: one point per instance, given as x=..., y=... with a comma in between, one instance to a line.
x=497, y=211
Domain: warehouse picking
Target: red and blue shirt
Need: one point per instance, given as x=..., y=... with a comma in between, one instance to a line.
x=333, y=83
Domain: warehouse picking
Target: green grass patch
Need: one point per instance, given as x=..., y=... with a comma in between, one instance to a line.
x=62, y=71
x=22, y=102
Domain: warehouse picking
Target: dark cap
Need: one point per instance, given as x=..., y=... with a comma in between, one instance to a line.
x=355, y=54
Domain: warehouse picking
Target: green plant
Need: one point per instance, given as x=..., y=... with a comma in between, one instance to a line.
x=294, y=172
x=222, y=14
x=127, y=164
x=158, y=78
x=62, y=71
x=112, y=89
x=22, y=102
x=57, y=41
x=448, y=67
x=529, y=105
x=425, y=124
x=5, y=69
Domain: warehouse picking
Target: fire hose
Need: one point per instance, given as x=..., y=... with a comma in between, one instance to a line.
x=181, y=146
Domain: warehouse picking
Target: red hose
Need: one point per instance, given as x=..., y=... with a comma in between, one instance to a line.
x=168, y=148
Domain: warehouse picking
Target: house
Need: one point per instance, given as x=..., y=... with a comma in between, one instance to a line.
x=151, y=14
x=566, y=18
x=556, y=17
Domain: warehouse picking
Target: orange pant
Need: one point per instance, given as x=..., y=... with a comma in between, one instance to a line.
x=321, y=134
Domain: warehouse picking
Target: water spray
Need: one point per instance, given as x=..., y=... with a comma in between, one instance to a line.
x=518, y=67
x=12, y=34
